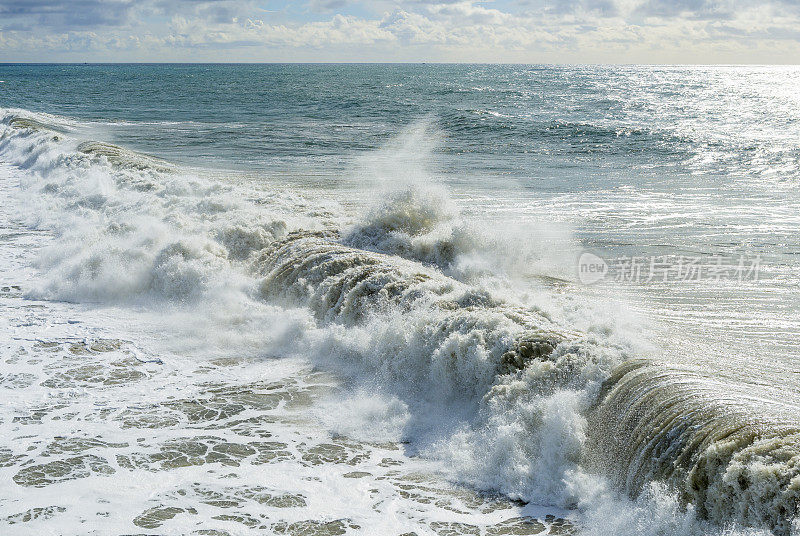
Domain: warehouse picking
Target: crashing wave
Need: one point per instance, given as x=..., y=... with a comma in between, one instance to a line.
x=124, y=157
x=345, y=284
x=548, y=396
x=724, y=453
x=650, y=423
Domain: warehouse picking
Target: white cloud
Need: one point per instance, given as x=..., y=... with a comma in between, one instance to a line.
x=585, y=30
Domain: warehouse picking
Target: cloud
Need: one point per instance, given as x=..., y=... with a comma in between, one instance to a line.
x=399, y=30
x=408, y=27
x=64, y=14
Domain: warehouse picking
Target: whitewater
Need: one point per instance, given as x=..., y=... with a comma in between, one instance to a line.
x=195, y=349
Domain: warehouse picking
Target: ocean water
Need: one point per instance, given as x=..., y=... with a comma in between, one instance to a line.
x=348, y=299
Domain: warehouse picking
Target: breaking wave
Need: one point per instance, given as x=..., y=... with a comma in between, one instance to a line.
x=511, y=394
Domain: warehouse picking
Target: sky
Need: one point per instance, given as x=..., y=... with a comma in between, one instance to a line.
x=503, y=31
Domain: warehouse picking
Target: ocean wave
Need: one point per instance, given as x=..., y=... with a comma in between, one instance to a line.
x=123, y=157
x=570, y=137
x=728, y=455
x=132, y=226
x=544, y=407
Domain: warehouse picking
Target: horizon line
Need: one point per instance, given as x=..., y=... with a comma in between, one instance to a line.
x=548, y=64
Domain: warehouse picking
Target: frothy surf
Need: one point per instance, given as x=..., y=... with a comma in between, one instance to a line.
x=506, y=392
